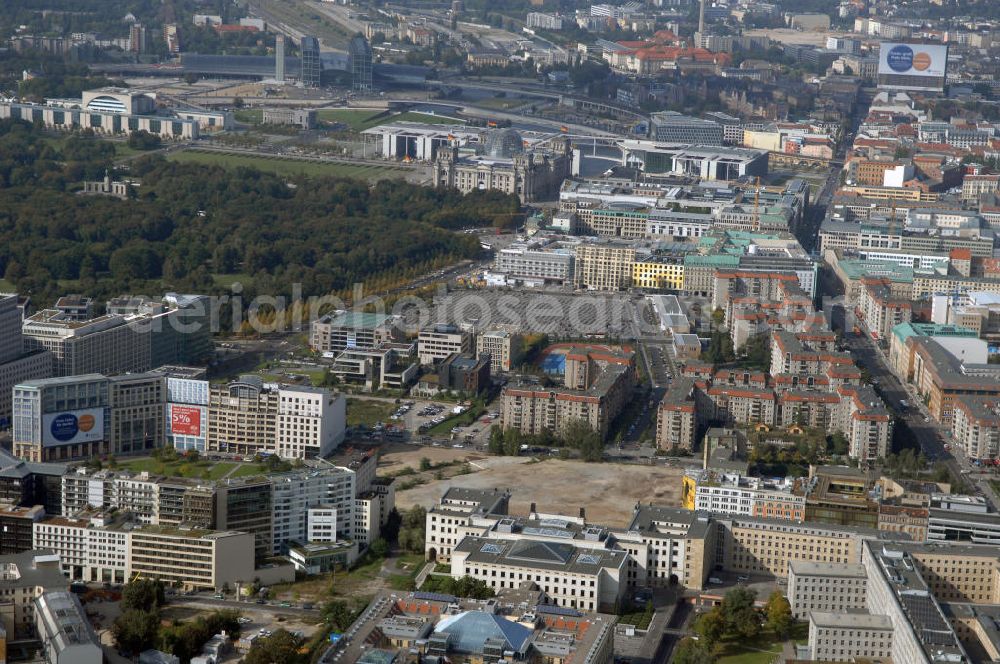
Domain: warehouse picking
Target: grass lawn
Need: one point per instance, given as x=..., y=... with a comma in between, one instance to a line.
x=227, y=280
x=425, y=118
x=197, y=470
x=249, y=115
x=249, y=470
x=760, y=650
x=357, y=120
x=367, y=412
x=289, y=166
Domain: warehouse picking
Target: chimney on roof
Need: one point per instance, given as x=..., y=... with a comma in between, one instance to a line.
x=583, y=513
x=531, y=510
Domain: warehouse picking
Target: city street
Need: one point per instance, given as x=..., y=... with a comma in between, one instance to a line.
x=929, y=435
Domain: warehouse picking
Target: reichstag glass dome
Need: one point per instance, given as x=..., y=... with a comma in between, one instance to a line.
x=503, y=144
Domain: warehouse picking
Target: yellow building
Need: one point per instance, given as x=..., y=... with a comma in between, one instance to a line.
x=658, y=275
x=688, y=491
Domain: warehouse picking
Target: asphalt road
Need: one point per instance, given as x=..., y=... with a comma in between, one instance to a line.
x=929, y=435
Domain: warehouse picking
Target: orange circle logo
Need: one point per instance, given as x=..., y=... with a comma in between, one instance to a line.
x=86, y=422
x=921, y=61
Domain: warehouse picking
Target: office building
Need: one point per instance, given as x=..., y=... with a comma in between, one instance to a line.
x=438, y=342
x=707, y=163
x=297, y=117
x=359, y=56
x=848, y=637
x=825, y=587
x=464, y=374
x=16, y=524
x=944, y=379
x=387, y=366
x=503, y=348
x=673, y=127
x=99, y=547
x=604, y=266
x=107, y=344
x=17, y=362
x=57, y=419
x=571, y=577
x=64, y=630
x=311, y=65
x=247, y=417
x=350, y=329
x=23, y=578
x=531, y=174
x=531, y=261
x=135, y=335
x=102, y=121
x=279, y=59
x=27, y=483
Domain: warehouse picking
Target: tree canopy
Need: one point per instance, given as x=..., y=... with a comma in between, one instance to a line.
x=191, y=222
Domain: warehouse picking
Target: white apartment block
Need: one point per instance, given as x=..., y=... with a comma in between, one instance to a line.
x=296, y=494
x=438, y=342
x=825, y=587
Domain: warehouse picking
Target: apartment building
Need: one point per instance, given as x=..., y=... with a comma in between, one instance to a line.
x=597, y=385
x=880, y=310
x=676, y=416
x=438, y=342
x=504, y=348
x=825, y=587
x=943, y=380
x=975, y=427
x=604, y=266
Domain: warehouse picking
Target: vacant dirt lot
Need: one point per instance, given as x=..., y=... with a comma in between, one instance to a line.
x=609, y=492
x=393, y=457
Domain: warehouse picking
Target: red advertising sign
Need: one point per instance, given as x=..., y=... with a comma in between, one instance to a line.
x=185, y=420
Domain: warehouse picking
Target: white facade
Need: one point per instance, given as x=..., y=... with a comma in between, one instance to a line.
x=310, y=422
x=437, y=343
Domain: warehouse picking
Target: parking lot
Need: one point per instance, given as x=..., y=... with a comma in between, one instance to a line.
x=418, y=419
